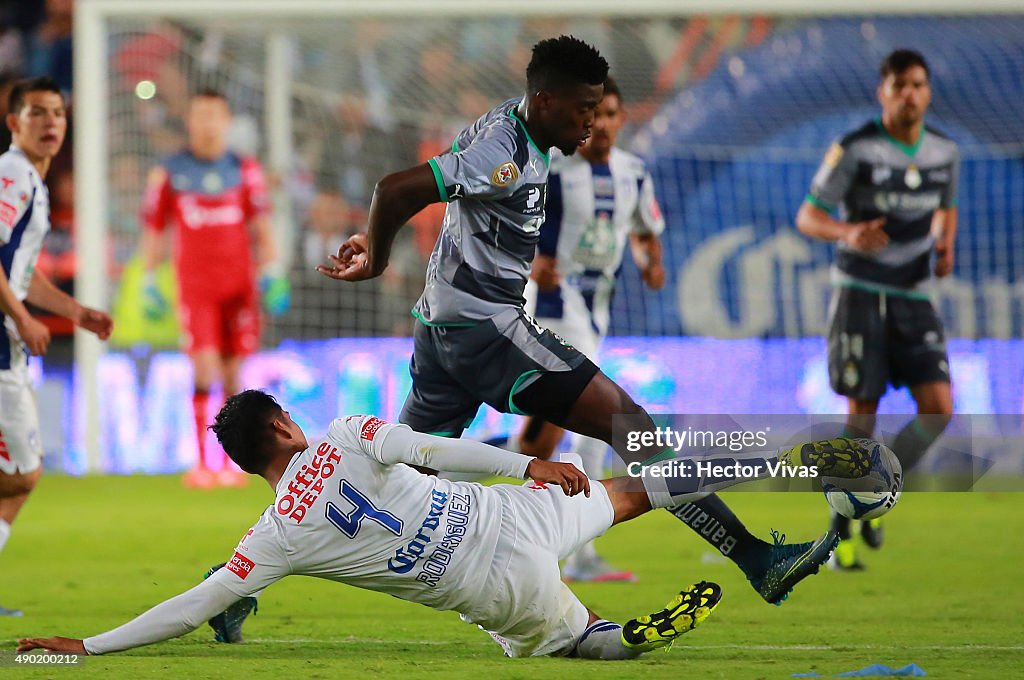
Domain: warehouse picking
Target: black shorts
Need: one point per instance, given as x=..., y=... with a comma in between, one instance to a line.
x=875, y=339
x=455, y=369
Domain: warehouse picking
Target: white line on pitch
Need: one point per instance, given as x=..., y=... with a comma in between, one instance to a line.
x=764, y=648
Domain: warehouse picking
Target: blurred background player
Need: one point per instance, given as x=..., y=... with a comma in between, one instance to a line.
x=894, y=181
x=37, y=120
x=217, y=203
x=474, y=343
x=597, y=198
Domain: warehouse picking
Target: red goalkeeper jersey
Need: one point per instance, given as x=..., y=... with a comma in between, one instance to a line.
x=210, y=205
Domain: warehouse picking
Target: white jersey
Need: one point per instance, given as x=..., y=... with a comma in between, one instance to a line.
x=24, y=222
x=348, y=510
x=592, y=209
x=344, y=513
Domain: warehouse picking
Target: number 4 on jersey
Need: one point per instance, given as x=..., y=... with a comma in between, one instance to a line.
x=363, y=508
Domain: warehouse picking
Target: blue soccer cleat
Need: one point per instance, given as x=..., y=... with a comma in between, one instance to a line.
x=790, y=564
x=227, y=626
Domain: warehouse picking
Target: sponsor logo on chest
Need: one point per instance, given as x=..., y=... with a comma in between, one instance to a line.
x=306, y=485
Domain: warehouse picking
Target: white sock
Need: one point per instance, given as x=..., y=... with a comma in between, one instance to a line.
x=592, y=452
x=682, y=480
x=603, y=640
x=5, y=533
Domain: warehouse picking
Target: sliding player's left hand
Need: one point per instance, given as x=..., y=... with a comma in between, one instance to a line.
x=566, y=475
x=53, y=644
x=95, y=321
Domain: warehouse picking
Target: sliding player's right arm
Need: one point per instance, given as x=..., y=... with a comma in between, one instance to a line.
x=390, y=444
x=258, y=561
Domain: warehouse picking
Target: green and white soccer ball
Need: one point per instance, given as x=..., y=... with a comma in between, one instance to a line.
x=871, y=495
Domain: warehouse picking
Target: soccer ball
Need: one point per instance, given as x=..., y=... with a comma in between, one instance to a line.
x=871, y=495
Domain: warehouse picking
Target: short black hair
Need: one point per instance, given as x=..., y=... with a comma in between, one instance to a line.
x=210, y=93
x=16, y=99
x=612, y=87
x=563, y=61
x=243, y=428
x=900, y=60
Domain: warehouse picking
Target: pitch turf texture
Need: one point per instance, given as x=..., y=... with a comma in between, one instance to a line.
x=946, y=593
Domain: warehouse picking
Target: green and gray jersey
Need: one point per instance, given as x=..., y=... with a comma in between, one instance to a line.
x=495, y=183
x=868, y=174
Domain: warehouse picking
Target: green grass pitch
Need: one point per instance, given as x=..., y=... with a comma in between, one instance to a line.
x=946, y=593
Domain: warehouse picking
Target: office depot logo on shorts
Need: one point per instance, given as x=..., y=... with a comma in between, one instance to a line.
x=240, y=565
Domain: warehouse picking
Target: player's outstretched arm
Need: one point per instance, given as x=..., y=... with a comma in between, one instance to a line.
x=400, y=444
x=179, y=615
x=42, y=293
x=396, y=198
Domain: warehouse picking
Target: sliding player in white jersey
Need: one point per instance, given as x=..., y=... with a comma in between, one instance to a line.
x=350, y=509
x=598, y=199
x=37, y=120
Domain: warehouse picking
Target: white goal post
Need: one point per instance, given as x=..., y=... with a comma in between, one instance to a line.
x=274, y=18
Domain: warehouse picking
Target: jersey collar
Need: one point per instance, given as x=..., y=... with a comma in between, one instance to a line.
x=909, y=149
x=543, y=154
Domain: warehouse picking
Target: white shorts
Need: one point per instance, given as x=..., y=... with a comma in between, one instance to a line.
x=575, y=325
x=531, y=612
x=21, y=448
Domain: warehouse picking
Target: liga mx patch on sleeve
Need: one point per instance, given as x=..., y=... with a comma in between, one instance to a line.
x=8, y=214
x=370, y=427
x=240, y=565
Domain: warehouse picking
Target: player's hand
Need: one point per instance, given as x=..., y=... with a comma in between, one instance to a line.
x=277, y=294
x=154, y=304
x=352, y=263
x=566, y=475
x=34, y=334
x=95, y=321
x=654, y=275
x=53, y=644
x=944, y=263
x=867, y=236
x=545, y=273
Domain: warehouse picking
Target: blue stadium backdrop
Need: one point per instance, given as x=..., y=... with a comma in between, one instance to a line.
x=733, y=157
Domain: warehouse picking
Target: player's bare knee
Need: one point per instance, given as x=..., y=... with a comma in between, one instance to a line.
x=21, y=484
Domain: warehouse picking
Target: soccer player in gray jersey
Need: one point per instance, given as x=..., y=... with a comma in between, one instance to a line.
x=474, y=343
x=894, y=182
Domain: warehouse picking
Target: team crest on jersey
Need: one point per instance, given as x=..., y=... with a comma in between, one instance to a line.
x=504, y=174
x=212, y=183
x=913, y=177
x=832, y=156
